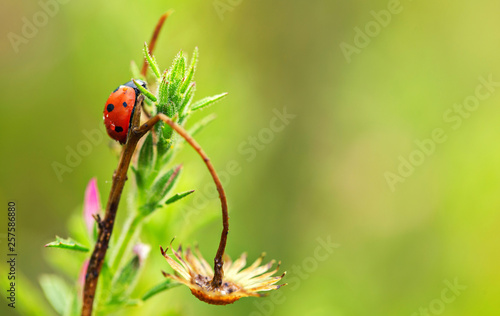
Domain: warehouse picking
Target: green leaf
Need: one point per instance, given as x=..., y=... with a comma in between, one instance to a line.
x=176, y=75
x=191, y=71
x=74, y=307
x=134, y=69
x=66, y=244
x=146, y=155
x=186, y=99
x=122, y=285
x=57, y=292
x=164, y=184
x=151, y=61
x=198, y=126
x=207, y=101
x=144, y=91
x=178, y=196
x=163, y=286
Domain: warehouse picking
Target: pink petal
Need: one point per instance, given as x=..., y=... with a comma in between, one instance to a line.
x=141, y=251
x=91, y=204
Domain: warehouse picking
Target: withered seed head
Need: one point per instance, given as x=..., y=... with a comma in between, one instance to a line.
x=197, y=274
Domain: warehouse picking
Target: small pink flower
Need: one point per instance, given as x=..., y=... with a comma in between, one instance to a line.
x=91, y=205
x=142, y=251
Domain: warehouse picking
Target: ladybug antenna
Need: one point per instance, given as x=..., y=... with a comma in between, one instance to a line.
x=154, y=37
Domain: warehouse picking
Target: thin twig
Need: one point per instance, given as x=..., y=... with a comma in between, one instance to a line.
x=154, y=37
x=151, y=47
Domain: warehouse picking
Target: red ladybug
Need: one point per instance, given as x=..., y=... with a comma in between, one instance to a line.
x=119, y=109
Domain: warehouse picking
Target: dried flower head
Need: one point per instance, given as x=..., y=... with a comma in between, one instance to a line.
x=196, y=273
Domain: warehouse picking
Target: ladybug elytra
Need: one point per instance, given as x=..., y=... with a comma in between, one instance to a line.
x=119, y=110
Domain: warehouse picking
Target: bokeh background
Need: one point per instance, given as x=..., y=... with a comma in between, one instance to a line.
x=323, y=176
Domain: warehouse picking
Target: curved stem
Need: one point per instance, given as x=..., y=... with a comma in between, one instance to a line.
x=218, y=262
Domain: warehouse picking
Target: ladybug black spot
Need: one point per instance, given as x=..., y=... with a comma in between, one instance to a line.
x=125, y=104
x=110, y=107
x=118, y=129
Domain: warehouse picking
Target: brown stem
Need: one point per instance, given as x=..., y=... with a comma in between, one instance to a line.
x=106, y=225
x=154, y=37
x=218, y=262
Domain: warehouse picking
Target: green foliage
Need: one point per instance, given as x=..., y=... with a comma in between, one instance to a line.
x=66, y=244
x=151, y=61
x=176, y=197
x=57, y=292
x=159, y=190
x=207, y=101
x=163, y=286
x=123, y=284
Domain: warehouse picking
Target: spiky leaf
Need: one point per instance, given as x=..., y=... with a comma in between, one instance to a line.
x=207, y=101
x=163, y=286
x=191, y=71
x=151, y=61
x=176, y=197
x=66, y=244
x=144, y=91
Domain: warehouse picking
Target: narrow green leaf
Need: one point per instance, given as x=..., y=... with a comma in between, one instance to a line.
x=159, y=190
x=178, y=196
x=134, y=69
x=191, y=71
x=151, y=61
x=66, y=244
x=144, y=91
x=178, y=67
x=163, y=93
x=122, y=285
x=165, y=183
x=198, y=126
x=176, y=75
x=207, y=101
x=146, y=155
x=163, y=286
x=187, y=98
x=57, y=292
x=139, y=179
x=74, y=306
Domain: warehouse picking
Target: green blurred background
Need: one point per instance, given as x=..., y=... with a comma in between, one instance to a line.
x=321, y=177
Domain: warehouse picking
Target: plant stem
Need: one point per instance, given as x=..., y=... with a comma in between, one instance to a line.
x=154, y=37
x=130, y=230
x=106, y=225
x=218, y=262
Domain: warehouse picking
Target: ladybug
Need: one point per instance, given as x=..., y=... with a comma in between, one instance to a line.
x=119, y=110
